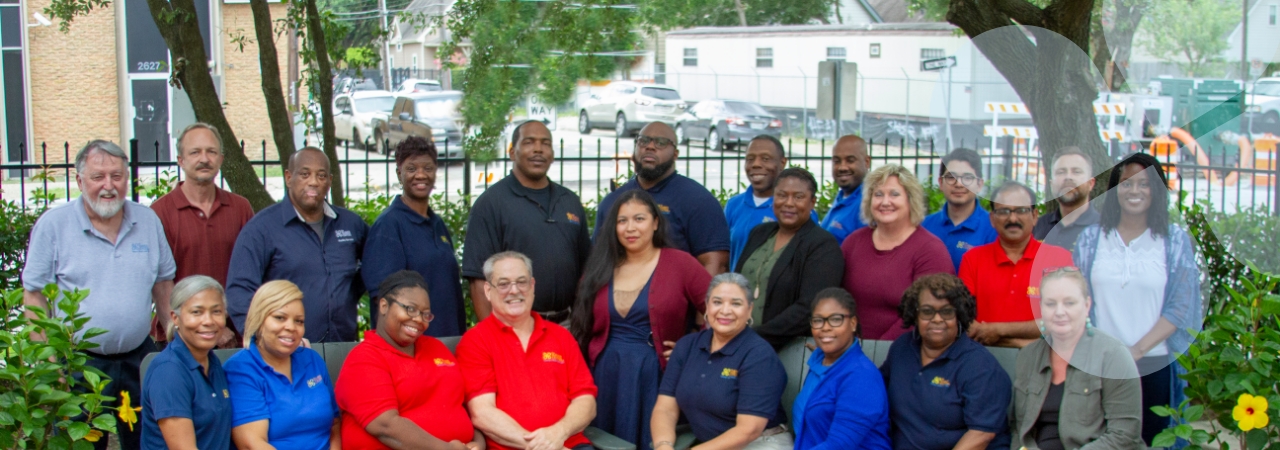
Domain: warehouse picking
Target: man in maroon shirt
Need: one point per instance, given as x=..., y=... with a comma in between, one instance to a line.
x=201, y=221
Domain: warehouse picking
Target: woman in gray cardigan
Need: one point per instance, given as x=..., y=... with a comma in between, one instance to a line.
x=1077, y=388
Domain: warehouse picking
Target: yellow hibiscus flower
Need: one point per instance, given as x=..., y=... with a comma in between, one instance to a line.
x=128, y=413
x=93, y=436
x=1250, y=412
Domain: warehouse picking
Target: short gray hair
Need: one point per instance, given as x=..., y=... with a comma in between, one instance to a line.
x=105, y=146
x=199, y=126
x=189, y=287
x=488, y=263
x=735, y=278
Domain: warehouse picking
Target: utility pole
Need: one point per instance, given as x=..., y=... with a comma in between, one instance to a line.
x=1244, y=57
x=386, y=47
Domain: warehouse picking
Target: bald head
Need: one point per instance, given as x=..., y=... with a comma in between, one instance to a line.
x=849, y=162
x=658, y=129
x=304, y=155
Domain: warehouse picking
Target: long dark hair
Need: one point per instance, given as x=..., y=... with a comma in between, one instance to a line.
x=606, y=255
x=1157, y=214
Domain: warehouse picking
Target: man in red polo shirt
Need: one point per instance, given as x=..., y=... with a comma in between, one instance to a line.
x=527, y=383
x=1004, y=276
x=201, y=221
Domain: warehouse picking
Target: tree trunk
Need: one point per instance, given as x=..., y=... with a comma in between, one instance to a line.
x=1113, y=42
x=176, y=20
x=742, y=13
x=1050, y=74
x=315, y=33
x=269, y=62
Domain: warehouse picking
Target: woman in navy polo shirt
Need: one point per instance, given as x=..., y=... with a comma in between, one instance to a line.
x=280, y=391
x=842, y=404
x=185, y=401
x=945, y=389
x=410, y=236
x=726, y=379
x=621, y=313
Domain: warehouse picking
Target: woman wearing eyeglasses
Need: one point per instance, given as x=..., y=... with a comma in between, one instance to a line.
x=790, y=260
x=884, y=258
x=842, y=404
x=1145, y=282
x=400, y=385
x=1077, y=387
x=945, y=390
x=633, y=303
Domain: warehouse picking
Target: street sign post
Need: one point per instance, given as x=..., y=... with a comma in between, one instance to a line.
x=542, y=112
x=929, y=65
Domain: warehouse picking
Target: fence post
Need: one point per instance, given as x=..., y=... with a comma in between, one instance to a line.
x=133, y=168
x=466, y=171
x=1275, y=189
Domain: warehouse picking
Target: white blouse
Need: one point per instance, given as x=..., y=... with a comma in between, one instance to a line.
x=1128, y=287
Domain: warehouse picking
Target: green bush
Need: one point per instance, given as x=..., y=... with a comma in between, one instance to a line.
x=39, y=397
x=15, y=231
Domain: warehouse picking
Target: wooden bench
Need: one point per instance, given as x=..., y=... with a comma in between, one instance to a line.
x=794, y=356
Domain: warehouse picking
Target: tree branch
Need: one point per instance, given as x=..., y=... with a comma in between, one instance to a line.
x=1021, y=11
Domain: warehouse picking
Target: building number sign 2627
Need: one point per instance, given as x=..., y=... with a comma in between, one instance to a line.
x=152, y=66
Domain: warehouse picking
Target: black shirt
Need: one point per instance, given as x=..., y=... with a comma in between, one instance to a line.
x=511, y=217
x=1049, y=231
x=1047, y=425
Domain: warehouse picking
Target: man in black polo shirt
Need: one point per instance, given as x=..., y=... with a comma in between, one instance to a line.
x=527, y=213
x=694, y=218
x=1072, y=178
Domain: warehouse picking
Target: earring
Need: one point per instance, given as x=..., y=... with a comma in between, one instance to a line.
x=750, y=321
x=1042, y=327
x=1088, y=326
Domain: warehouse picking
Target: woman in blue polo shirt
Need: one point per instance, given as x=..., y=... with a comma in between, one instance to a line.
x=945, y=389
x=410, y=236
x=726, y=379
x=842, y=404
x=185, y=402
x=280, y=392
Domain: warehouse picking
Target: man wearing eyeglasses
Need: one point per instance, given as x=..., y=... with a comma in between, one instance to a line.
x=962, y=224
x=695, y=222
x=527, y=383
x=1000, y=274
x=1072, y=181
x=528, y=213
x=305, y=240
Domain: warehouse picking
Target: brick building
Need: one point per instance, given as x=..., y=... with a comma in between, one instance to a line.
x=107, y=78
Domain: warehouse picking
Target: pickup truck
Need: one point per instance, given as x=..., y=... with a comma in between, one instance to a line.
x=431, y=115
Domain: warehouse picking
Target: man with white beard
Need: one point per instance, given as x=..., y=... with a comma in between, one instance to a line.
x=1072, y=179
x=115, y=249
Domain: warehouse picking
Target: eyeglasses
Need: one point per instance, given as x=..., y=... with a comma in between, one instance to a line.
x=834, y=320
x=413, y=311
x=1005, y=212
x=659, y=142
x=522, y=284
x=927, y=312
x=967, y=179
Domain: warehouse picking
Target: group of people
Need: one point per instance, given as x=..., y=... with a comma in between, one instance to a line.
x=669, y=313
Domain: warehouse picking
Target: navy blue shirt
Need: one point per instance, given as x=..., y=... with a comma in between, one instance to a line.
x=403, y=239
x=695, y=222
x=743, y=377
x=972, y=232
x=932, y=407
x=277, y=245
x=300, y=413
x=177, y=387
x=845, y=215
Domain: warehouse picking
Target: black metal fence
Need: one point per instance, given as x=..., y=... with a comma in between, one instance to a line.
x=592, y=167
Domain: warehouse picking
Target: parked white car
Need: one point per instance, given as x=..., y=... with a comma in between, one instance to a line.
x=353, y=114
x=1264, y=100
x=626, y=106
x=413, y=85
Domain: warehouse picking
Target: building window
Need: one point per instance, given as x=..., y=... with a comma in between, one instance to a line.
x=875, y=50
x=932, y=53
x=415, y=62
x=691, y=57
x=835, y=54
x=764, y=57
x=1272, y=17
x=13, y=87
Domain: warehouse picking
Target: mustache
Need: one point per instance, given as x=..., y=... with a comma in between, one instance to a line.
x=1014, y=224
x=204, y=166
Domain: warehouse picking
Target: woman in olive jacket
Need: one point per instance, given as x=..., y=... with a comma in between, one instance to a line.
x=789, y=261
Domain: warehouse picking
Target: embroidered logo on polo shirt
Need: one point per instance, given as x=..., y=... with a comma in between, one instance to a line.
x=964, y=245
x=573, y=218
x=226, y=394
x=940, y=382
x=768, y=219
x=314, y=381
x=552, y=357
x=344, y=235
x=728, y=373
x=444, y=239
x=664, y=209
x=1033, y=290
x=441, y=362
x=141, y=248
x=837, y=224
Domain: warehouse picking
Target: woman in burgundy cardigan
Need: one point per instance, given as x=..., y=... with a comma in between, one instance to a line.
x=633, y=305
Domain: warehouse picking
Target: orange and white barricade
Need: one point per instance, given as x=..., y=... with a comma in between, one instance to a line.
x=1264, y=158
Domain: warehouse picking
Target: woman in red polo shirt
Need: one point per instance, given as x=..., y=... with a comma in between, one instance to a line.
x=621, y=312
x=400, y=385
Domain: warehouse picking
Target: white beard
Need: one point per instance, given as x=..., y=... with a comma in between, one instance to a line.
x=105, y=208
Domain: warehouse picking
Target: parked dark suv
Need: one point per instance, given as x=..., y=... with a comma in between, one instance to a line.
x=721, y=124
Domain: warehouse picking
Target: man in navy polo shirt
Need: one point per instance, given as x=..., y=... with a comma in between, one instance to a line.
x=305, y=240
x=695, y=223
x=962, y=224
x=526, y=212
x=849, y=165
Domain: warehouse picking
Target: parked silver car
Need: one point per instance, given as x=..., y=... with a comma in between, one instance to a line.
x=723, y=124
x=627, y=106
x=353, y=114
